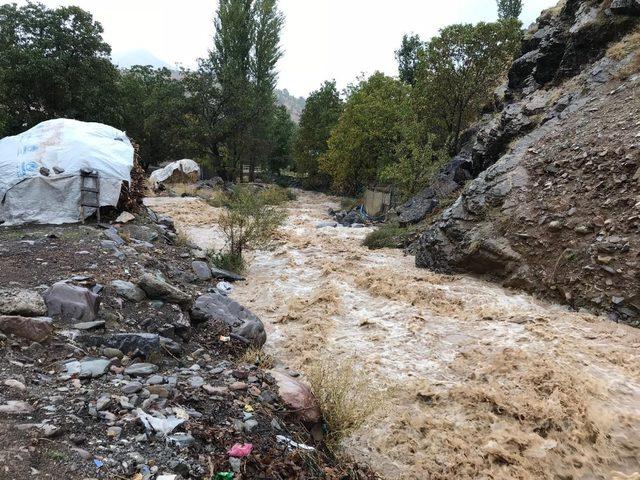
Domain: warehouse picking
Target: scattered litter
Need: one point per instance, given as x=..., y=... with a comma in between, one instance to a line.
x=166, y=477
x=225, y=339
x=224, y=287
x=222, y=476
x=159, y=425
x=248, y=408
x=240, y=450
x=98, y=463
x=293, y=444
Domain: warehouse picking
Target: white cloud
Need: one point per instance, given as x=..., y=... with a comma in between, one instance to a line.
x=322, y=39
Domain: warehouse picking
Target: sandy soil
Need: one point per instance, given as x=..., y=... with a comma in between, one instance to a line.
x=482, y=382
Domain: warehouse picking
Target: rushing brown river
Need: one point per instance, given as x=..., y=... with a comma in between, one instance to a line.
x=482, y=382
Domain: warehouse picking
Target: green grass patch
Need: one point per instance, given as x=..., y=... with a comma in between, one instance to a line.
x=389, y=235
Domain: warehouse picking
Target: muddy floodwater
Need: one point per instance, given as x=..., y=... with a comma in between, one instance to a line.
x=481, y=382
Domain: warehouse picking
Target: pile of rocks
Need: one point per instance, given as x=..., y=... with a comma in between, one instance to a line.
x=139, y=376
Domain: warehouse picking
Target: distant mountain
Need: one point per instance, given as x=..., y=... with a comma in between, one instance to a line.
x=138, y=57
x=294, y=105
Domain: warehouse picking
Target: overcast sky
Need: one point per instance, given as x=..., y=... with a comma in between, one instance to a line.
x=322, y=39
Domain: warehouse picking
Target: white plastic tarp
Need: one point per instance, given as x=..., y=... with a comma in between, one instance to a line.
x=63, y=147
x=163, y=174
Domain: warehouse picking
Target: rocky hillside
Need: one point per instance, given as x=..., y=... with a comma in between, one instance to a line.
x=550, y=194
x=294, y=105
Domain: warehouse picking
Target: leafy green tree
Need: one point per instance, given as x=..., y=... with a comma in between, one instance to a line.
x=266, y=53
x=364, y=141
x=230, y=64
x=418, y=160
x=282, y=133
x=457, y=72
x=154, y=111
x=319, y=116
x=407, y=57
x=509, y=9
x=243, y=60
x=53, y=63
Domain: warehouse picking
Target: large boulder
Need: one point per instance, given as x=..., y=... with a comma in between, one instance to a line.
x=28, y=303
x=158, y=289
x=298, y=397
x=71, y=302
x=35, y=329
x=214, y=306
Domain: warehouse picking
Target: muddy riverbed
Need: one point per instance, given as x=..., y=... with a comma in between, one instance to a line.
x=481, y=382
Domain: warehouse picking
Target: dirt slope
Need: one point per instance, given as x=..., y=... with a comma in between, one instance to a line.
x=481, y=382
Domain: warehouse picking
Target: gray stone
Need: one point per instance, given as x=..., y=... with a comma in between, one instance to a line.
x=221, y=274
x=88, y=367
x=103, y=402
x=141, y=369
x=95, y=325
x=71, y=302
x=27, y=303
x=158, y=289
x=132, y=344
x=128, y=290
x=626, y=7
x=217, y=307
x=112, y=234
x=142, y=233
x=180, y=440
x=201, y=269
x=132, y=387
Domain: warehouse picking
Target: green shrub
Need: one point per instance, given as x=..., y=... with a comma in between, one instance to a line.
x=248, y=221
x=276, y=195
x=227, y=261
x=386, y=236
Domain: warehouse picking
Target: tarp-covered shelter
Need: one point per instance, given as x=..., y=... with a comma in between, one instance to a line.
x=40, y=170
x=181, y=171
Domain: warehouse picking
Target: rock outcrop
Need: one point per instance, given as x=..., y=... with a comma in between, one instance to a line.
x=553, y=205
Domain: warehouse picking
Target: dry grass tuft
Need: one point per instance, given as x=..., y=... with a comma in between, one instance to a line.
x=182, y=240
x=629, y=44
x=346, y=397
x=257, y=356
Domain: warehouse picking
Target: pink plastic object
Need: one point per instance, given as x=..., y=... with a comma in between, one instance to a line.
x=240, y=450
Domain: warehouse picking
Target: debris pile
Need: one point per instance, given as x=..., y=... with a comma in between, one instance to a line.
x=118, y=361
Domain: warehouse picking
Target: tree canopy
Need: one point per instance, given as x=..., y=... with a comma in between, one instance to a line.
x=319, y=116
x=457, y=71
x=407, y=57
x=509, y=9
x=53, y=63
x=364, y=140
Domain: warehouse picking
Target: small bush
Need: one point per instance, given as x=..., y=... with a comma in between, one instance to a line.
x=346, y=399
x=227, y=261
x=276, y=195
x=386, y=236
x=248, y=221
